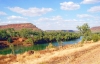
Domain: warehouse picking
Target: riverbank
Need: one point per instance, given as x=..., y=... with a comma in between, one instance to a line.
x=69, y=54
x=21, y=49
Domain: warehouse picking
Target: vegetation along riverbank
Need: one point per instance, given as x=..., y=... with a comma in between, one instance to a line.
x=10, y=37
x=71, y=54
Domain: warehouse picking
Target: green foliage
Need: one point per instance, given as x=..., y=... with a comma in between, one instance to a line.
x=84, y=29
x=85, y=32
x=11, y=46
x=83, y=39
x=50, y=46
x=10, y=40
x=29, y=40
x=95, y=37
x=89, y=38
x=38, y=36
x=11, y=32
x=25, y=33
x=3, y=35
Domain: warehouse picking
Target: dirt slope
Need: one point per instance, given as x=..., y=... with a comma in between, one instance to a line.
x=87, y=54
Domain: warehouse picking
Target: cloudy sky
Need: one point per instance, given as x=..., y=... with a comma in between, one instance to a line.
x=51, y=14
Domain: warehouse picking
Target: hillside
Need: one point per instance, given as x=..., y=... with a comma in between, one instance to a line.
x=20, y=26
x=3, y=43
x=95, y=29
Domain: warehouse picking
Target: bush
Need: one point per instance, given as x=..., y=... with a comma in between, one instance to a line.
x=89, y=38
x=50, y=46
x=95, y=37
x=10, y=40
x=83, y=39
x=29, y=40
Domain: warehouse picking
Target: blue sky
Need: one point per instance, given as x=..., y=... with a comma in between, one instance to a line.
x=51, y=14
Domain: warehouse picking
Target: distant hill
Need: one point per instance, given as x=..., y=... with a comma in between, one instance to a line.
x=61, y=30
x=95, y=29
x=20, y=26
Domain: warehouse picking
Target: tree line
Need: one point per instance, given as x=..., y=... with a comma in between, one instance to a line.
x=37, y=37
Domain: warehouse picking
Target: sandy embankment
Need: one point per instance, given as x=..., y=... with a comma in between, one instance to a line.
x=87, y=54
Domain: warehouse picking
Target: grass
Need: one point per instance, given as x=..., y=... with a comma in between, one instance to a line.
x=68, y=53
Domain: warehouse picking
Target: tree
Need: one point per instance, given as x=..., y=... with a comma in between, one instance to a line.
x=11, y=45
x=3, y=35
x=30, y=41
x=84, y=31
x=9, y=40
x=11, y=32
x=59, y=40
x=25, y=33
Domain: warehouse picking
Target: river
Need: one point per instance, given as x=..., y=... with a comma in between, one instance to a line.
x=21, y=49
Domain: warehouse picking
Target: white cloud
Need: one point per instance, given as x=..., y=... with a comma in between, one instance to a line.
x=56, y=23
x=97, y=18
x=5, y=22
x=2, y=13
x=52, y=19
x=59, y=23
x=84, y=16
x=57, y=18
x=31, y=11
x=16, y=18
x=13, y=19
x=11, y=22
x=90, y=1
x=69, y=6
x=94, y=9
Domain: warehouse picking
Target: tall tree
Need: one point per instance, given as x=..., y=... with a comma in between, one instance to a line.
x=84, y=30
x=11, y=45
x=11, y=32
x=25, y=33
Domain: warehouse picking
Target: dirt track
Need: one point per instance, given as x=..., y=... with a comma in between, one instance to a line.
x=87, y=54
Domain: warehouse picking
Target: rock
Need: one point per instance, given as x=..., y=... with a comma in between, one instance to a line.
x=21, y=39
x=30, y=52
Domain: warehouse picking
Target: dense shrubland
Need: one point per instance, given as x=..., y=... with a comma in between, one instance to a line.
x=34, y=38
x=40, y=37
x=37, y=37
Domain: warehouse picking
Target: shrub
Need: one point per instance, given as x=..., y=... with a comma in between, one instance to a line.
x=83, y=39
x=50, y=46
x=29, y=40
x=95, y=37
x=89, y=38
x=10, y=40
